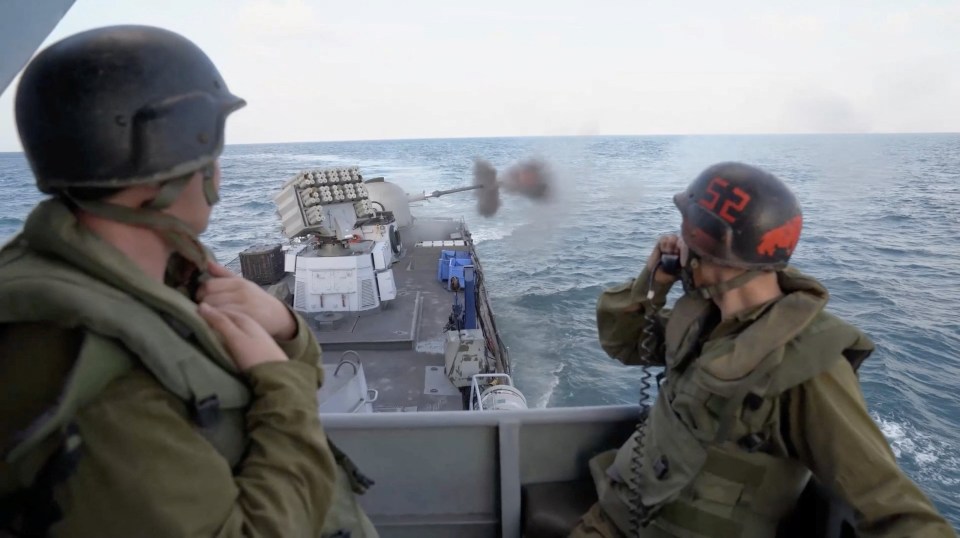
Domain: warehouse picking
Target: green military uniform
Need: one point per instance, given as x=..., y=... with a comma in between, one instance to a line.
x=749, y=407
x=147, y=465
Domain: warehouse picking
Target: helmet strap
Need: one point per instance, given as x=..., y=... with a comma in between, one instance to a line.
x=686, y=272
x=169, y=191
x=209, y=189
x=174, y=231
x=716, y=290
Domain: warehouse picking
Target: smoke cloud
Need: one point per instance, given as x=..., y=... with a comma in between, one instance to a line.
x=488, y=198
x=531, y=178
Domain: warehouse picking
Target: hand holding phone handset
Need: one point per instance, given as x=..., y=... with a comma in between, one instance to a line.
x=668, y=264
x=664, y=262
x=664, y=268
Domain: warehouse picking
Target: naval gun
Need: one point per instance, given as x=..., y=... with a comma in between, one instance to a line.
x=531, y=178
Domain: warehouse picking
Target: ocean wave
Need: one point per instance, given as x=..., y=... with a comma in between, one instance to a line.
x=258, y=205
x=880, y=233
x=936, y=460
x=483, y=235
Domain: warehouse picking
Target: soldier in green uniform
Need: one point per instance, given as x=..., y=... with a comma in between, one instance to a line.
x=146, y=390
x=759, y=389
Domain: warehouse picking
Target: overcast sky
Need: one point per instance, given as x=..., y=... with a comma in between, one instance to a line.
x=316, y=70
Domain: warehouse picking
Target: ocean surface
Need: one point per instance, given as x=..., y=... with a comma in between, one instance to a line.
x=881, y=227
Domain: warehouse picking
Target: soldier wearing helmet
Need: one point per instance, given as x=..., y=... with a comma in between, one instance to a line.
x=759, y=394
x=146, y=389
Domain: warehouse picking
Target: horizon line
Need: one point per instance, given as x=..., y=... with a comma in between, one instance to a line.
x=852, y=133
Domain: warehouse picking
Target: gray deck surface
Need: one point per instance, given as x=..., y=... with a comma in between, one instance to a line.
x=401, y=343
x=401, y=346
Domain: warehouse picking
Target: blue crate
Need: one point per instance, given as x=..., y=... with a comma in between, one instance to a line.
x=456, y=270
x=443, y=264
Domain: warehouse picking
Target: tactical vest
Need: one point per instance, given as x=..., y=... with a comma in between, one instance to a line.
x=55, y=272
x=133, y=320
x=707, y=464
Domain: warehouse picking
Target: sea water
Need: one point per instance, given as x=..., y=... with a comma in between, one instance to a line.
x=881, y=227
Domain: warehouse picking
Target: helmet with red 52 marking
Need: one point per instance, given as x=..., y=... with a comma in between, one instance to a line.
x=738, y=215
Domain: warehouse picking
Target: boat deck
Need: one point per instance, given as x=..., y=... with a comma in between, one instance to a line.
x=400, y=344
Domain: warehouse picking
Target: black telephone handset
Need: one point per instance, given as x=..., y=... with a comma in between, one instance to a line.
x=670, y=264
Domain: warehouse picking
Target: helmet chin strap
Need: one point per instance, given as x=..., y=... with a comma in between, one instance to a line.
x=172, y=188
x=209, y=189
x=714, y=290
x=174, y=231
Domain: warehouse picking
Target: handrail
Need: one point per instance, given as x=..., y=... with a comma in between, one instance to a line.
x=442, y=419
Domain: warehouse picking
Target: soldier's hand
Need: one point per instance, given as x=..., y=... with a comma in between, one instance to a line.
x=248, y=342
x=227, y=290
x=666, y=244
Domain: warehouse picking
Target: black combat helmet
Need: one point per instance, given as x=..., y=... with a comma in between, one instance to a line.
x=121, y=105
x=738, y=215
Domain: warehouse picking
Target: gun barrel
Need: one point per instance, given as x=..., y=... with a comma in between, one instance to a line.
x=437, y=194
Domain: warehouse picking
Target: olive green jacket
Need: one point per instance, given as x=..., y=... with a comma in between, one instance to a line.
x=826, y=426
x=144, y=468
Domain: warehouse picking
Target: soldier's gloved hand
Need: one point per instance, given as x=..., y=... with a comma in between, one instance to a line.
x=227, y=290
x=248, y=342
x=666, y=244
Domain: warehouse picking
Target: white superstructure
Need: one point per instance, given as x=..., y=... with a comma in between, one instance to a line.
x=345, y=265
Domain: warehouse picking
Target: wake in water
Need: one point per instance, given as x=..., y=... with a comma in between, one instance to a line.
x=609, y=198
x=936, y=459
x=555, y=376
